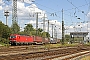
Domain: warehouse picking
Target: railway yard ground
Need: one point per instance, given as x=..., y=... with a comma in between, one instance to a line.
x=45, y=52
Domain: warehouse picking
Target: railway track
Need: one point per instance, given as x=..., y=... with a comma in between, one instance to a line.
x=42, y=54
x=70, y=57
x=11, y=50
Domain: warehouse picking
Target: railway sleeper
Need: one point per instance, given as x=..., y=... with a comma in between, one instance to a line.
x=71, y=55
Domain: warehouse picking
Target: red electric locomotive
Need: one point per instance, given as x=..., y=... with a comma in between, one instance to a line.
x=16, y=39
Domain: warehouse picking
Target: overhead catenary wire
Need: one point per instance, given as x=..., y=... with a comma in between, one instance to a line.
x=88, y=7
x=76, y=7
x=60, y=11
x=86, y=2
x=53, y=14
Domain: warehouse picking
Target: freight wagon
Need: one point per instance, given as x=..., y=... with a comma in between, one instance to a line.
x=16, y=39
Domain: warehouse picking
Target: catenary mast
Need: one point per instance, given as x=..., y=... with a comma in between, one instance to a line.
x=14, y=12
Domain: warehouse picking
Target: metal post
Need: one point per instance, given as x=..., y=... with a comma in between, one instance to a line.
x=37, y=23
x=55, y=33
x=48, y=31
x=87, y=26
x=52, y=30
x=62, y=29
x=44, y=23
x=6, y=13
x=48, y=26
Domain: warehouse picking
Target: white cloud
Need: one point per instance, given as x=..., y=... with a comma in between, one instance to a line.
x=1, y=2
x=29, y=11
x=24, y=12
x=27, y=1
x=0, y=7
x=33, y=22
x=88, y=15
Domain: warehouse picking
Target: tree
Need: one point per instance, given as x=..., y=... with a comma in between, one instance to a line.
x=67, y=37
x=33, y=32
x=15, y=28
x=40, y=30
x=5, y=31
x=45, y=34
x=21, y=32
x=1, y=28
x=28, y=29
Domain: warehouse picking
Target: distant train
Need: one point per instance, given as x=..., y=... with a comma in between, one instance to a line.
x=16, y=39
x=54, y=40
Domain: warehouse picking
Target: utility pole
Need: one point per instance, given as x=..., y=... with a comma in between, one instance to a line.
x=62, y=29
x=44, y=23
x=37, y=23
x=48, y=26
x=55, y=32
x=48, y=29
x=6, y=13
x=52, y=30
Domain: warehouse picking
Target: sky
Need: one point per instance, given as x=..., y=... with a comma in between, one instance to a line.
x=52, y=9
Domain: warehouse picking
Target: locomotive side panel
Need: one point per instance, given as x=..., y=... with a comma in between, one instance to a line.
x=24, y=39
x=20, y=39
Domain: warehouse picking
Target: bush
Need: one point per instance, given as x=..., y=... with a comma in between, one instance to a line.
x=3, y=40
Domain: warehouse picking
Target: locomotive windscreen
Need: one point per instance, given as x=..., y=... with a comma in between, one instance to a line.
x=12, y=36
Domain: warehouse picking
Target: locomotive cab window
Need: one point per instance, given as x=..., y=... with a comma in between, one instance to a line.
x=12, y=37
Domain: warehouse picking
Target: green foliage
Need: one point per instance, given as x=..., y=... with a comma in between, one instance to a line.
x=67, y=38
x=22, y=33
x=33, y=32
x=39, y=33
x=1, y=28
x=45, y=34
x=28, y=29
x=15, y=28
x=3, y=40
x=40, y=30
x=5, y=31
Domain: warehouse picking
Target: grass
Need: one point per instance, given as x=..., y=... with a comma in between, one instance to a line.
x=88, y=44
x=86, y=58
x=3, y=44
x=49, y=46
x=60, y=45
